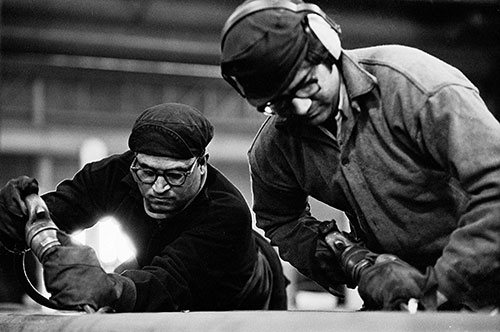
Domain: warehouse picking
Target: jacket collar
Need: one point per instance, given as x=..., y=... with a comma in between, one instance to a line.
x=358, y=81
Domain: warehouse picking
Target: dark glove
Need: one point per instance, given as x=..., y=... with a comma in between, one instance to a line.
x=13, y=211
x=326, y=268
x=391, y=282
x=75, y=278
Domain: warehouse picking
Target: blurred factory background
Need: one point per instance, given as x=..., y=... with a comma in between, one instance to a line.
x=75, y=74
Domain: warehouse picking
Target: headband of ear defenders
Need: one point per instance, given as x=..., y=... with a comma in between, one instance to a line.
x=319, y=23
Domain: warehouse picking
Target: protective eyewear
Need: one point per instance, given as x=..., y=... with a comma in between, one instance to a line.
x=174, y=178
x=306, y=88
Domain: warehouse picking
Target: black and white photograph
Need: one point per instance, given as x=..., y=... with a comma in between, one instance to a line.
x=250, y=165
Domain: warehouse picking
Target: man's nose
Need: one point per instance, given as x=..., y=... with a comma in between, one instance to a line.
x=161, y=185
x=301, y=105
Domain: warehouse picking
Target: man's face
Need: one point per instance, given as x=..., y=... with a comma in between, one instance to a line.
x=314, y=108
x=159, y=196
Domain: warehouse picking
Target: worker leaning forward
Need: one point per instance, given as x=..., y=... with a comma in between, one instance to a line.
x=397, y=139
x=190, y=226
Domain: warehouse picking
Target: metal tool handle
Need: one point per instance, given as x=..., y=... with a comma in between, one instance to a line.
x=36, y=207
x=41, y=235
x=40, y=230
x=351, y=255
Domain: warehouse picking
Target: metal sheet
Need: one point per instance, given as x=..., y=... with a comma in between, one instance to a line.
x=251, y=321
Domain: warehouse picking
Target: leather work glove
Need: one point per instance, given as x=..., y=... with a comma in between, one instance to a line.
x=327, y=270
x=390, y=283
x=75, y=278
x=333, y=278
x=13, y=211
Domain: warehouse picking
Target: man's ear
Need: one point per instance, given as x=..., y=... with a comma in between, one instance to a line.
x=203, y=161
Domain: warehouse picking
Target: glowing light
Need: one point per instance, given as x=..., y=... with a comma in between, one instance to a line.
x=112, y=246
x=106, y=237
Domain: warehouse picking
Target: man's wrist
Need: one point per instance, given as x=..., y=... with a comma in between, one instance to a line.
x=126, y=293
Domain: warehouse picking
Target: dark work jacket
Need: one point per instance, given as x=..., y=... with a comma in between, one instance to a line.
x=416, y=168
x=198, y=260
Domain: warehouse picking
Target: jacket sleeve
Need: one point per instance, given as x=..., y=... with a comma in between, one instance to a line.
x=204, y=268
x=282, y=211
x=77, y=203
x=463, y=137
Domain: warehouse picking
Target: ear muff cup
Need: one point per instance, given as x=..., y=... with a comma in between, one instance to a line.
x=325, y=29
x=325, y=34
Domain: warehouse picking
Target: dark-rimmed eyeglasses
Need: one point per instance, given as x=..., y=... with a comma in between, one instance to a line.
x=306, y=88
x=174, y=178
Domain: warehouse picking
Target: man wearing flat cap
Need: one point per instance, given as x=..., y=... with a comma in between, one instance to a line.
x=394, y=137
x=191, y=227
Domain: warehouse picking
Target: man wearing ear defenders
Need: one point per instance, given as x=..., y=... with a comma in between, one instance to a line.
x=397, y=139
x=191, y=227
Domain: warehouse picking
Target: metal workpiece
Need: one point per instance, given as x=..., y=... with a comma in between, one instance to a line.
x=251, y=321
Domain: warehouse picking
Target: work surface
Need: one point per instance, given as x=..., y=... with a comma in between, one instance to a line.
x=254, y=321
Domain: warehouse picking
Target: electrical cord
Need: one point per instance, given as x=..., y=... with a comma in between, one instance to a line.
x=22, y=276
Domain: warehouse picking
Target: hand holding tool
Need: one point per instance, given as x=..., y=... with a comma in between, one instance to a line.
x=72, y=272
x=384, y=281
x=13, y=212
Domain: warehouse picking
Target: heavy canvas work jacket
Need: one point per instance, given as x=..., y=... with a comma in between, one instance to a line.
x=201, y=259
x=416, y=168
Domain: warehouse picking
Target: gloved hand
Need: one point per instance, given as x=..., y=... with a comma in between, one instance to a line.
x=13, y=211
x=75, y=278
x=326, y=268
x=328, y=272
x=391, y=282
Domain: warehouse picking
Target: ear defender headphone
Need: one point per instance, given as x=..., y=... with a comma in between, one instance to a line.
x=323, y=27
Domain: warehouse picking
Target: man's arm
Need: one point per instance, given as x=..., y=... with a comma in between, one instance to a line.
x=202, y=269
x=282, y=211
x=461, y=135
x=79, y=203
